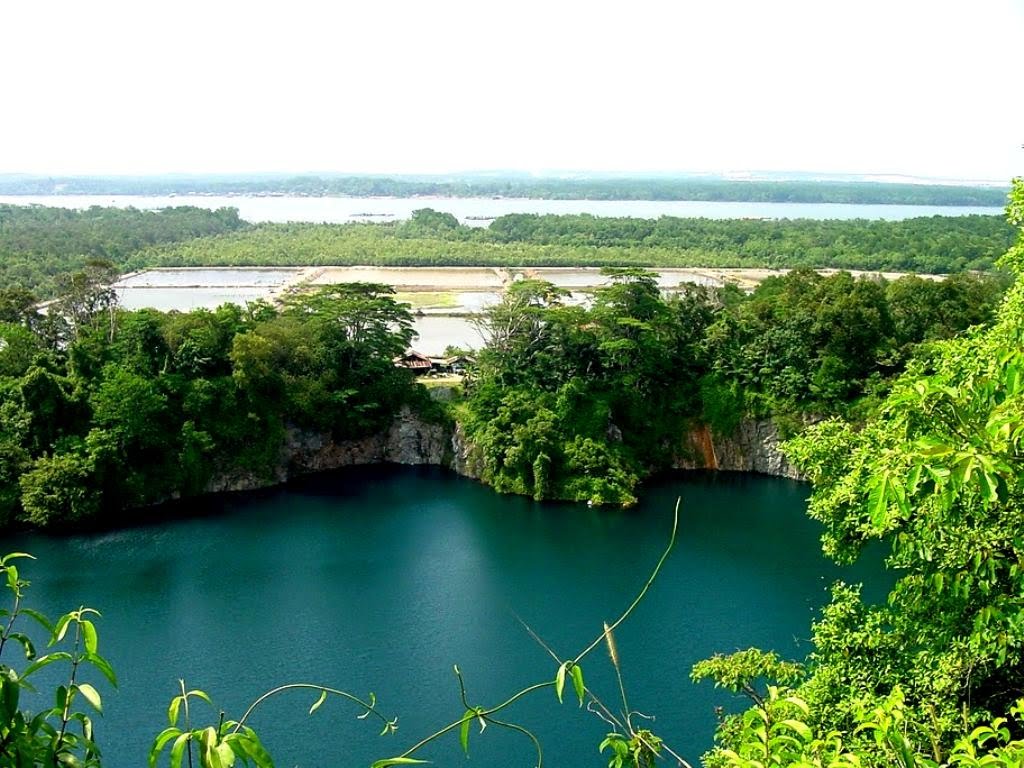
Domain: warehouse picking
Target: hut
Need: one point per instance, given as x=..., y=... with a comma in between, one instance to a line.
x=415, y=362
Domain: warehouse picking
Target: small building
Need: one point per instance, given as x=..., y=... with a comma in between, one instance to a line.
x=415, y=362
x=457, y=363
x=423, y=365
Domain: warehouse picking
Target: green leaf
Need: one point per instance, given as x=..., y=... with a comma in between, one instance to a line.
x=226, y=754
x=92, y=696
x=86, y=722
x=877, y=503
x=89, y=636
x=989, y=487
x=61, y=628
x=103, y=666
x=172, y=710
x=373, y=703
x=933, y=447
x=320, y=700
x=398, y=761
x=208, y=742
x=39, y=618
x=464, y=730
x=26, y=644
x=160, y=742
x=799, y=703
x=251, y=745
x=178, y=750
x=560, y=681
x=15, y=555
x=44, y=661
x=200, y=695
x=10, y=692
x=577, y=682
x=802, y=729
x=914, y=478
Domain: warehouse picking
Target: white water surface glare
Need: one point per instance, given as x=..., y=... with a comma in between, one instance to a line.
x=381, y=578
x=479, y=211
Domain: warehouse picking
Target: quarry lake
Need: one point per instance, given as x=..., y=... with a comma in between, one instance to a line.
x=381, y=578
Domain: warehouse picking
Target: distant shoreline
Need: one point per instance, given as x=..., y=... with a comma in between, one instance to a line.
x=476, y=212
x=863, y=191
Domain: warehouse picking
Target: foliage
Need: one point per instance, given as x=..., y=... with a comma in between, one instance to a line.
x=62, y=734
x=138, y=406
x=776, y=734
x=115, y=409
x=39, y=244
x=933, y=676
x=936, y=244
x=579, y=402
x=562, y=392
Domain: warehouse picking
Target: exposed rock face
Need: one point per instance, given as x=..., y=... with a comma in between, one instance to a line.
x=409, y=440
x=754, y=447
x=465, y=459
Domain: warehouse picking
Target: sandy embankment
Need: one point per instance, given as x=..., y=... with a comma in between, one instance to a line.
x=495, y=278
x=418, y=278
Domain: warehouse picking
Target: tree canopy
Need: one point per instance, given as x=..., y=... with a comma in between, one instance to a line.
x=936, y=475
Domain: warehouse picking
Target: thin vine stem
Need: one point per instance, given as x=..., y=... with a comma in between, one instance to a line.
x=10, y=625
x=484, y=713
x=640, y=596
x=188, y=721
x=526, y=732
x=65, y=717
x=605, y=713
x=462, y=687
x=314, y=687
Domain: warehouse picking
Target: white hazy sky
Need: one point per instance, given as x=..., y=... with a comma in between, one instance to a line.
x=147, y=86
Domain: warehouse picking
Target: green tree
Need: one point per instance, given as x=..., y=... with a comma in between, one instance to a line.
x=18, y=349
x=59, y=489
x=937, y=477
x=86, y=297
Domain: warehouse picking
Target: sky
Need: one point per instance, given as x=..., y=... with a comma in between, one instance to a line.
x=435, y=86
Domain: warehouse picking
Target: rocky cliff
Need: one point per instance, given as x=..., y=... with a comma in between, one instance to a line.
x=465, y=457
x=409, y=440
x=753, y=447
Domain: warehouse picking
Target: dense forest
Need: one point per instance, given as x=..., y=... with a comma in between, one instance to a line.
x=38, y=245
x=935, y=244
x=590, y=187
x=581, y=403
x=103, y=410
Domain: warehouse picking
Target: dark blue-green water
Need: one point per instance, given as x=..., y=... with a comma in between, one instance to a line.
x=380, y=579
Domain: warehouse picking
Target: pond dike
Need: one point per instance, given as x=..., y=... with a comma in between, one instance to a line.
x=753, y=447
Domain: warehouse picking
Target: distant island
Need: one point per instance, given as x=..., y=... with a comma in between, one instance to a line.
x=767, y=188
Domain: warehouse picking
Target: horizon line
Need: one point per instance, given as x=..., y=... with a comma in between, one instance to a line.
x=733, y=175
